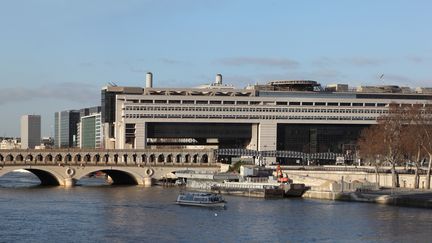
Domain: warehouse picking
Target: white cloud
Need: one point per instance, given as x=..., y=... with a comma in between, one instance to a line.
x=76, y=92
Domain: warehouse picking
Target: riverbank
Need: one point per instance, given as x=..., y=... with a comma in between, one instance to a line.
x=395, y=197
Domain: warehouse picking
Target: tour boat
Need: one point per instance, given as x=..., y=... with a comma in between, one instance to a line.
x=201, y=199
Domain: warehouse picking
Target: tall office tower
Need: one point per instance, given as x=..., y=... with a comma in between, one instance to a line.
x=108, y=110
x=30, y=131
x=89, y=131
x=65, y=128
x=66, y=125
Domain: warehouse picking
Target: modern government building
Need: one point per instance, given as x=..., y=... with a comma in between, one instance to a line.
x=289, y=115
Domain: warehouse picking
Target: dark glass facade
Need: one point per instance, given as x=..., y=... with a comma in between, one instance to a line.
x=65, y=128
x=199, y=130
x=228, y=135
x=88, y=132
x=318, y=138
x=108, y=110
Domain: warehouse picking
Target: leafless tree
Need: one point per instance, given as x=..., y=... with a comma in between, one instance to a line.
x=405, y=133
x=421, y=121
x=392, y=126
x=370, y=148
x=385, y=140
x=413, y=139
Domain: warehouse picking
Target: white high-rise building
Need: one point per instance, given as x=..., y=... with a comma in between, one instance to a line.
x=30, y=131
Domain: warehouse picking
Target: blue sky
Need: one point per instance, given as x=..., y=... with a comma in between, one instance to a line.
x=56, y=54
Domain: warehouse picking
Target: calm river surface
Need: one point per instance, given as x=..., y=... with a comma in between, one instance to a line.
x=95, y=213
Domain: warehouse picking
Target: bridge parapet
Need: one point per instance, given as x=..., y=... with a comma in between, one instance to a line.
x=107, y=157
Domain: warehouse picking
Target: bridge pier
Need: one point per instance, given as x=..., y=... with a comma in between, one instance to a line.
x=69, y=182
x=147, y=181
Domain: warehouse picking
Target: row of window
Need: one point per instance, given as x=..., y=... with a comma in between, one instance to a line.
x=247, y=109
x=240, y=102
x=261, y=117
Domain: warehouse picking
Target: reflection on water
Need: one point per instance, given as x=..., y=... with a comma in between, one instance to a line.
x=93, y=212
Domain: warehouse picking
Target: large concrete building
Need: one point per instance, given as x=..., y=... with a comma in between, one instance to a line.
x=30, y=131
x=297, y=115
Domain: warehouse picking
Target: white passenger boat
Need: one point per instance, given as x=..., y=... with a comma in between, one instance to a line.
x=200, y=199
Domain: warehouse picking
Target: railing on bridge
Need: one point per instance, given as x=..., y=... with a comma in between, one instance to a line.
x=282, y=154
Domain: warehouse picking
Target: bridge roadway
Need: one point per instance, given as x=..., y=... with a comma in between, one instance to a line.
x=141, y=167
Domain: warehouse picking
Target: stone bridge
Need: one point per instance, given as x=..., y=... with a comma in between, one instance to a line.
x=140, y=167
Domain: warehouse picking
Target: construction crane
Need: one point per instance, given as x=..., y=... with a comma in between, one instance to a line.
x=279, y=175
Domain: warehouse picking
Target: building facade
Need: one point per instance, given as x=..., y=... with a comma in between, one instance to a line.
x=66, y=126
x=281, y=115
x=30, y=131
x=90, y=132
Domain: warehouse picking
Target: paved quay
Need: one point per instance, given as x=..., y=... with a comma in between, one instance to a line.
x=400, y=197
x=395, y=197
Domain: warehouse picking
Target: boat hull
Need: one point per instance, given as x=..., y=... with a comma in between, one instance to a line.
x=201, y=204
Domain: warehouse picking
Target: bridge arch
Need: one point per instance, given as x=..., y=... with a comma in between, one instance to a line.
x=58, y=158
x=187, y=158
x=9, y=158
x=152, y=158
x=48, y=158
x=46, y=177
x=77, y=158
x=169, y=158
x=178, y=158
x=204, y=158
x=19, y=158
x=195, y=158
x=87, y=158
x=96, y=158
x=161, y=158
x=118, y=176
x=106, y=158
x=39, y=158
x=1, y=158
x=29, y=158
x=68, y=158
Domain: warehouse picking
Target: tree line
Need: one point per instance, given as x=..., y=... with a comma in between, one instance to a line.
x=403, y=135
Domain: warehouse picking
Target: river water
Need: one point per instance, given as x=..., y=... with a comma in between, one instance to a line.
x=94, y=212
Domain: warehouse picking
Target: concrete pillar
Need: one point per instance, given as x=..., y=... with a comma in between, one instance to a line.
x=267, y=137
x=120, y=134
x=253, y=144
x=211, y=158
x=147, y=181
x=140, y=135
x=69, y=182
